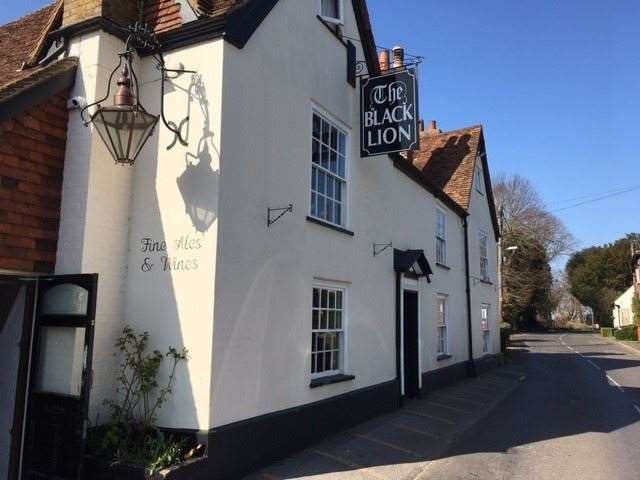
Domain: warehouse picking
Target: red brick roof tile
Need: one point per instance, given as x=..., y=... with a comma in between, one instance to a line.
x=448, y=160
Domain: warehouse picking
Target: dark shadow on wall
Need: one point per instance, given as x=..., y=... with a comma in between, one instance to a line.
x=199, y=183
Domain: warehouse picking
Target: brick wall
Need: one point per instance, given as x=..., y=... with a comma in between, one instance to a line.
x=32, y=149
x=124, y=12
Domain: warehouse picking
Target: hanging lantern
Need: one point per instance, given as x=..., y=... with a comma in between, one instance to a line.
x=126, y=126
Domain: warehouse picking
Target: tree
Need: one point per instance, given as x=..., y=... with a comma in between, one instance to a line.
x=535, y=238
x=598, y=275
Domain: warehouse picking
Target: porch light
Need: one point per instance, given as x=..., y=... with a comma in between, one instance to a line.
x=126, y=126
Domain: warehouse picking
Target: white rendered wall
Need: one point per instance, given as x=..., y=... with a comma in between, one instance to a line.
x=170, y=287
x=94, y=221
x=625, y=301
x=483, y=293
x=262, y=332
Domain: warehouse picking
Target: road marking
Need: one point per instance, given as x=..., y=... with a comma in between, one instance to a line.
x=615, y=383
x=432, y=417
x=384, y=444
x=637, y=408
x=442, y=405
x=413, y=430
x=591, y=363
x=349, y=463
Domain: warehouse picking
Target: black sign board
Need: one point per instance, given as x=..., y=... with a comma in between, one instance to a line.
x=389, y=113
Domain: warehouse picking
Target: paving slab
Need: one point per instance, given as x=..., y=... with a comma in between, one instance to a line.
x=400, y=445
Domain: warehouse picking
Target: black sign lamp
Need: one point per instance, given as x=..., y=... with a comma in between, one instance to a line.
x=126, y=126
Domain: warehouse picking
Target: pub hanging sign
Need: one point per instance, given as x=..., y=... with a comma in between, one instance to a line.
x=389, y=114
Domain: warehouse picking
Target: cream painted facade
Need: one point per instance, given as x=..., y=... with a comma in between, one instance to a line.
x=236, y=293
x=622, y=310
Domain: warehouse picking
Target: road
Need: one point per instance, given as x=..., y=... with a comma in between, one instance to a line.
x=577, y=416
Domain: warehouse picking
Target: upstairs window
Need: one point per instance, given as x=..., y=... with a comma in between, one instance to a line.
x=331, y=11
x=441, y=237
x=441, y=326
x=484, y=257
x=328, y=172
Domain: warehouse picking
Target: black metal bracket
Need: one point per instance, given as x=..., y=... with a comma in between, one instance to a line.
x=282, y=211
x=378, y=248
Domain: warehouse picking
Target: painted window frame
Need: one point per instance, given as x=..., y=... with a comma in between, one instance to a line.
x=318, y=170
x=336, y=21
x=483, y=250
x=485, y=308
x=342, y=332
x=441, y=237
x=442, y=327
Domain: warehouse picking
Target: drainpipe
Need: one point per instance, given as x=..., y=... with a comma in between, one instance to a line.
x=398, y=333
x=471, y=366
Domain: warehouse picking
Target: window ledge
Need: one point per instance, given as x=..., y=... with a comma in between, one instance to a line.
x=444, y=357
x=331, y=226
x=443, y=266
x=322, y=381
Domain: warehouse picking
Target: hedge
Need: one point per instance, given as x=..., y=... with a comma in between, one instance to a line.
x=630, y=332
x=607, y=331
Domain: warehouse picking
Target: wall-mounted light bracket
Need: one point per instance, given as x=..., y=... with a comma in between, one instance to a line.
x=378, y=248
x=275, y=214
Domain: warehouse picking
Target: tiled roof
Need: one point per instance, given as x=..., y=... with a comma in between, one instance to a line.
x=448, y=160
x=167, y=15
x=19, y=40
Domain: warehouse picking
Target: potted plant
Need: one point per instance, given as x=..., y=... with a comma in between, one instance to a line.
x=130, y=445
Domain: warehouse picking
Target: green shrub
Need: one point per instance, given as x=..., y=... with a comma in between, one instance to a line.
x=635, y=307
x=505, y=334
x=630, y=332
x=607, y=331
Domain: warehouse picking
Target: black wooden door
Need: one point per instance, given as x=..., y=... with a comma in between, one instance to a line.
x=60, y=377
x=411, y=345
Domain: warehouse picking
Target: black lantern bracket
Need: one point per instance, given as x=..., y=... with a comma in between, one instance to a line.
x=275, y=214
x=140, y=38
x=378, y=248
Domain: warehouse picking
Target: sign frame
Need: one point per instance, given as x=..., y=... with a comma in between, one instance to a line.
x=412, y=94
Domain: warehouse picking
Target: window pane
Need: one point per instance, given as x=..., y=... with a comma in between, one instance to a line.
x=338, y=192
x=330, y=185
x=332, y=320
x=336, y=360
x=341, y=166
x=316, y=298
x=315, y=319
x=331, y=9
x=333, y=162
x=326, y=132
x=332, y=299
x=324, y=159
x=334, y=138
x=314, y=209
x=316, y=152
x=339, y=299
x=338, y=214
x=339, y=320
x=324, y=298
x=314, y=179
x=317, y=126
x=61, y=360
x=342, y=143
x=320, y=211
x=329, y=212
x=321, y=182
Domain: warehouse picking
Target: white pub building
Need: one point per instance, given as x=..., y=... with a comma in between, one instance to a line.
x=315, y=282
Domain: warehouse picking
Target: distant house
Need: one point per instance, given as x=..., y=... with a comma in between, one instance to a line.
x=622, y=308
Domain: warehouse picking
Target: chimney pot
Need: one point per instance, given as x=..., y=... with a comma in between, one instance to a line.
x=422, y=125
x=398, y=57
x=384, y=59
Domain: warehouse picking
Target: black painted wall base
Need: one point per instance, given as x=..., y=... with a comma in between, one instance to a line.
x=242, y=447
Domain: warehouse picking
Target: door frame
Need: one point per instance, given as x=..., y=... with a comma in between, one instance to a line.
x=22, y=376
x=410, y=285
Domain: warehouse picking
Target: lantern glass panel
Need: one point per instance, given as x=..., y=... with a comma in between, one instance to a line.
x=124, y=131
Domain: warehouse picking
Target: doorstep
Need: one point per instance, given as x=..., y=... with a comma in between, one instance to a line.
x=402, y=444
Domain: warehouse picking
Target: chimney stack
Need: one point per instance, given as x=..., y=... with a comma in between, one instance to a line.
x=433, y=128
x=398, y=57
x=384, y=60
x=421, y=125
x=124, y=12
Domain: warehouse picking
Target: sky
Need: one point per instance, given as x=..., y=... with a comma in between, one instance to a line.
x=555, y=83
